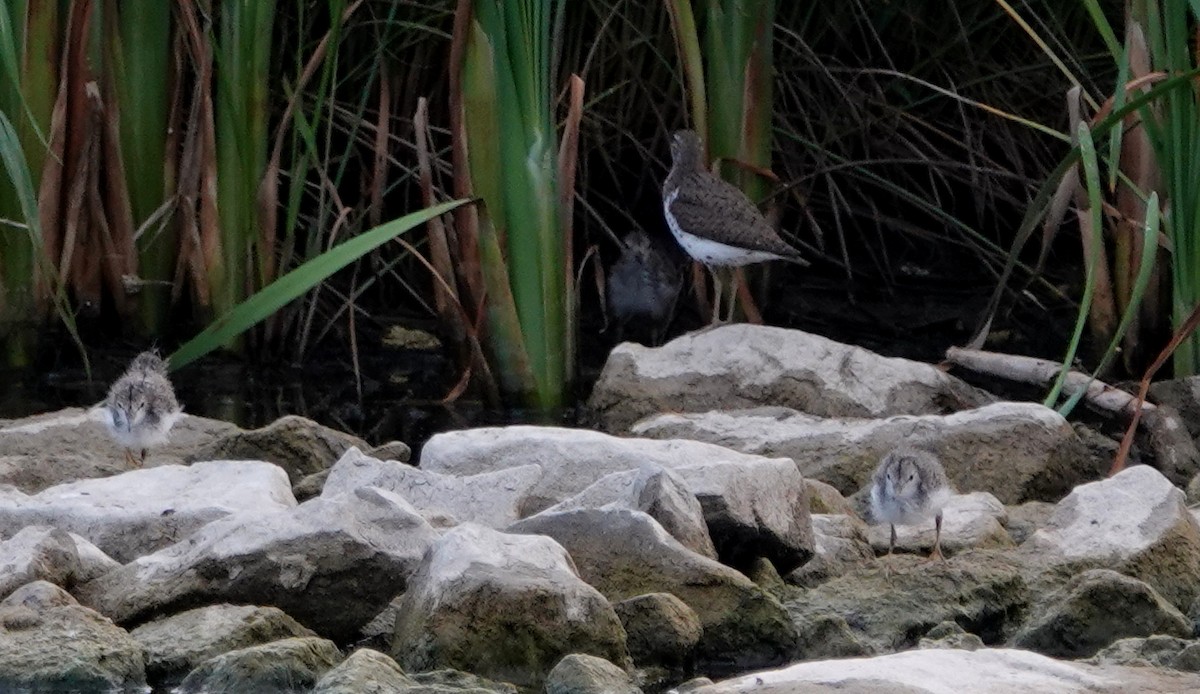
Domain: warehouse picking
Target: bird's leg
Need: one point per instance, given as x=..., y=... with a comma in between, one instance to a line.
x=716, y=314
x=733, y=294
x=130, y=459
x=937, y=539
x=143, y=457
x=887, y=566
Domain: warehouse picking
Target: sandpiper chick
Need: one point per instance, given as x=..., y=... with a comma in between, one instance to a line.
x=714, y=221
x=141, y=408
x=643, y=286
x=910, y=487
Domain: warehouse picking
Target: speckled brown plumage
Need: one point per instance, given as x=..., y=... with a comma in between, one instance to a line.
x=706, y=206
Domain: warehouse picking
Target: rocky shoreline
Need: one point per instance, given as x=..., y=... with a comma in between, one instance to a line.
x=706, y=533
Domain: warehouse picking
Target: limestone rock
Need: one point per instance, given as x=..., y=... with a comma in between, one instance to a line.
x=365, y=672
x=1096, y=608
x=177, y=644
x=40, y=552
x=969, y=521
x=494, y=499
x=1014, y=450
x=743, y=365
x=659, y=492
x=502, y=606
x=93, y=562
x=950, y=635
x=661, y=629
x=1134, y=523
x=1152, y=651
x=37, y=553
x=1025, y=519
x=69, y=445
x=298, y=445
x=49, y=642
x=625, y=553
x=140, y=511
x=571, y=459
x=754, y=509
x=841, y=545
x=294, y=664
x=944, y=671
x=825, y=498
x=753, y=506
x=985, y=592
x=333, y=564
x=586, y=674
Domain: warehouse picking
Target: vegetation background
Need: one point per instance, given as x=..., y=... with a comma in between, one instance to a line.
x=278, y=179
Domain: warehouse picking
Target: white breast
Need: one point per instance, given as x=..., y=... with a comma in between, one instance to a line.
x=709, y=252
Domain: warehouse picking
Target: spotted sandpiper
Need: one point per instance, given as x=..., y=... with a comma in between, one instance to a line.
x=714, y=221
x=910, y=487
x=643, y=285
x=141, y=408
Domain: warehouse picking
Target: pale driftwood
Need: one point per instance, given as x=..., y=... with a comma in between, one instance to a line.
x=1174, y=450
x=1042, y=372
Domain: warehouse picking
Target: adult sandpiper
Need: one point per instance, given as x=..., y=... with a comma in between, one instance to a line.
x=714, y=221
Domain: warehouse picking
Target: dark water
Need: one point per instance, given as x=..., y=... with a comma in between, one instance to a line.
x=395, y=396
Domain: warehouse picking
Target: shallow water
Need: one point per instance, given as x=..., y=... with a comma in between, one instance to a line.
x=401, y=397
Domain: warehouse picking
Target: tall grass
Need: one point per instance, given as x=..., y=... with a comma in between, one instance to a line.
x=515, y=248
x=29, y=44
x=243, y=60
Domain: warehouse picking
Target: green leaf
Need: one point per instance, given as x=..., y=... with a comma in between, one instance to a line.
x=291, y=286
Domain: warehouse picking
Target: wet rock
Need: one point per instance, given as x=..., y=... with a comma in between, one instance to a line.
x=661, y=629
x=49, y=642
x=587, y=674
x=494, y=499
x=1025, y=519
x=824, y=498
x=1095, y=609
x=298, y=445
x=1184, y=395
x=1135, y=523
x=657, y=491
x=37, y=553
x=824, y=634
x=1152, y=651
x=985, y=592
x=178, y=644
x=455, y=681
x=310, y=486
x=841, y=546
x=1014, y=450
x=502, y=606
x=73, y=444
x=950, y=635
x=984, y=671
x=140, y=511
x=392, y=450
x=287, y=665
x=333, y=564
x=364, y=672
x=968, y=521
x=370, y=672
x=625, y=553
x=743, y=365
